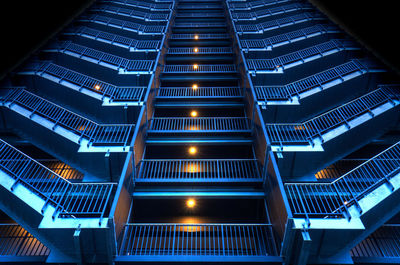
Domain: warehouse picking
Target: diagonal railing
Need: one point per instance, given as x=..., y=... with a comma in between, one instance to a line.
x=96, y=134
x=304, y=133
x=70, y=199
x=321, y=200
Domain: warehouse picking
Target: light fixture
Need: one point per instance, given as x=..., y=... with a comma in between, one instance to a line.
x=196, y=37
x=195, y=66
x=196, y=49
x=194, y=86
x=190, y=203
x=192, y=150
x=97, y=87
x=193, y=113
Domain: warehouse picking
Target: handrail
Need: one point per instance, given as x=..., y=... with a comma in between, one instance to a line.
x=97, y=134
x=199, y=240
x=116, y=62
x=332, y=199
x=196, y=124
x=289, y=37
x=286, y=92
x=117, y=40
x=16, y=241
x=199, y=170
x=125, y=25
x=70, y=199
x=304, y=132
x=115, y=93
x=268, y=12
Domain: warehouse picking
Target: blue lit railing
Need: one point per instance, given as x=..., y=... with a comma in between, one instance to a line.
x=60, y=74
x=277, y=23
x=304, y=133
x=254, y=4
x=267, y=12
x=199, y=92
x=200, y=24
x=201, y=50
x=142, y=4
x=200, y=36
x=125, y=25
x=199, y=170
x=199, y=124
x=383, y=243
x=16, y=241
x=132, y=44
x=237, y=240
x=332, y=199
x=287, y=92
x=69, y=199
x=132, y=13
x=273, y=65
x=96, y=134
x=201, y=68
x=120, y=64
x=285, y=38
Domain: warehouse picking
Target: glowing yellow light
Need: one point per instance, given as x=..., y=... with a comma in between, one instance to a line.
x=192, y=150
x=196, y=50
x=190, y=203
x=193, y=113
x=194, y=86
x=97, y=87
x=195, y=66
x=196, y=37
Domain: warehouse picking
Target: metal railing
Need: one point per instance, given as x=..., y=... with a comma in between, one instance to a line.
x=63, y=170
x=200, y=25
x=104, y=59
x=142, y=4
x=60, y=74
x=69, y=199
x=201, y=68
x=117, y=40
x=16, y=241
x=199, y=170
x=199, y=92
x=199, y=124
x=383, y=243
x=254, y=4
x=200, y=36
x=267, y=12
x=304, y=133
x=196, y=15
x=278, y=40
x=198, y=240
x=287, y=92
x=96, y=134
x=125, y=25
x=159, y=17
x=319, y=50
x=201, y=50
x=332, y=199
x=277, y=23
x=199, y=6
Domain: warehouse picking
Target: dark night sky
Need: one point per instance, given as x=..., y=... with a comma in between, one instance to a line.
x=25, y=24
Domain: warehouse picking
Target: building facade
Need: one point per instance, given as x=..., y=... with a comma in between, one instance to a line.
x=200, y=131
